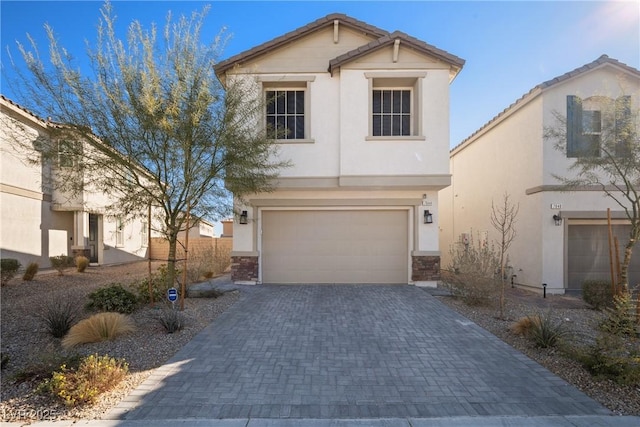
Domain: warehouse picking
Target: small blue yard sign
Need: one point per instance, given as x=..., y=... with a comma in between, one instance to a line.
x=172, y=294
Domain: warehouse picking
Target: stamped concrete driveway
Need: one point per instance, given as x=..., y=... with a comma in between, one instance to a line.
x=348, y=351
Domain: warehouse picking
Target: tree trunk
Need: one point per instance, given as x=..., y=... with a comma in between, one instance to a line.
x=624, y=268
x=171, y=259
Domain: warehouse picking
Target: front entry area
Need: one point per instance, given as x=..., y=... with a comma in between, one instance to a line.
x=335, y=246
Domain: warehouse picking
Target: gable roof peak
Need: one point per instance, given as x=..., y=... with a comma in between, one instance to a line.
x=298, y=33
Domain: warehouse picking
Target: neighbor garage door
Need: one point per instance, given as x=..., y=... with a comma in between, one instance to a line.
x=337, y=246
x=588, y=254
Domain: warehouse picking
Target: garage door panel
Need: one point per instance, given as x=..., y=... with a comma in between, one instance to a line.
x=588, y=254
x=335, y=246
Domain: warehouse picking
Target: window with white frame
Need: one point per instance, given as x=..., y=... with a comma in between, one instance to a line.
x=66, y=154
x=394, y=105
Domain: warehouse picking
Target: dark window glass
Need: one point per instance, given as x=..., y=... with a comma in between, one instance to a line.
x=285, y=113
x=391, y=113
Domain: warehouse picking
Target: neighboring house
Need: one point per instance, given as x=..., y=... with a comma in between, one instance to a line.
x=37, y=222
x=366, y=115
x=510, y=155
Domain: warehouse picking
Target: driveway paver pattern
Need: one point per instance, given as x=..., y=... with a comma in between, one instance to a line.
x=348, y=351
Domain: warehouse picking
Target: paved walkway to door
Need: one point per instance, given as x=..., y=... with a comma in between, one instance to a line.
x=350, y=351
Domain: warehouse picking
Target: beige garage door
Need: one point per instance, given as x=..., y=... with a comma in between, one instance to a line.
x=335, y=246
x=588, y=254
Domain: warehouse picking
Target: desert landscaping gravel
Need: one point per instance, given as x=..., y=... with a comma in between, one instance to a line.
x=25, y=340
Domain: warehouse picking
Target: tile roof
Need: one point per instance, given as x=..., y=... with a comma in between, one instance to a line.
x=326, y=21
x=389, y=39
x=382, y=38
x=600, y=62
x=22, y=109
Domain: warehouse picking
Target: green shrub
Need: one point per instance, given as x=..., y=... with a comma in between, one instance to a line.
x=171, y=320
x=59, y=314
x=544, y=332
x=8, y=269
x=621, y=318
x=597, y=293
x=95, y=375
x=113, y=298
x=61, y=263
x=614, y=357
x=82, y=262
x=30, y=272
x=99, y=327
x=159, y=286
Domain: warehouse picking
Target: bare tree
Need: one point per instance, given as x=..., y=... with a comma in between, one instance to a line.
x=150, y=124
x=503, y=220
x=608, y=159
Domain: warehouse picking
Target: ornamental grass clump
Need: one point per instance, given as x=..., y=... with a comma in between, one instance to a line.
x=94, y=376
x=99, y=327
x=82, y=262
x=541, y=330
x=30, y=272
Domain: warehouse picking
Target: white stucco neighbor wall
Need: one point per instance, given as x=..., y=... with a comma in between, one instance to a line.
x=511, y=155
x=37, y=223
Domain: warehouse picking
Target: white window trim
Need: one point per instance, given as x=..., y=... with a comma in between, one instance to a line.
x=119, y=233
x=417, y=133
x=291, y=82
x=144, y=234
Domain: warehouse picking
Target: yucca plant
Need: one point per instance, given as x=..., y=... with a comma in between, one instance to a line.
x=99, y=327
x=171, y=320
x=546, y=333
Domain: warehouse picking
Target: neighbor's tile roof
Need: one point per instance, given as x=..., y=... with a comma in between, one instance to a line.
x=389, y=39
x=601, y=61
x=326, y=21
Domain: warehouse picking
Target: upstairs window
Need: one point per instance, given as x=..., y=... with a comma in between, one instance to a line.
x=391, y=112
x=597, y=123
x=144, y=233
x=66, y=154
x=395, y=105
x=286, y=113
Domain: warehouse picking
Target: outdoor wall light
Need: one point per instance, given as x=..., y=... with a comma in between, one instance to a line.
x=244, y=217
x=428, y=217
x=557, y=219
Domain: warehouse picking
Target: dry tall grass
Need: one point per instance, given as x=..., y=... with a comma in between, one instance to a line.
x=99, y=327
x=524, y=325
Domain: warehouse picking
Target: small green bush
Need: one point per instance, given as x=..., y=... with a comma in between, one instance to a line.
x=597, y=293
x=95, y=375
x=30, y=272
x=61, y=263
x=159, y=286
x=8, y=269
x=621, y=318
x=59, y=314
x=614, y=357
x=113, y=298
x=171, y=320
x=82, y=263
x=544, y=332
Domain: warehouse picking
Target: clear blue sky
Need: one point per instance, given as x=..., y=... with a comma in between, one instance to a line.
x=509, y=46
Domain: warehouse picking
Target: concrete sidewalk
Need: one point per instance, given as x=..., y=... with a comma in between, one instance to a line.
x=566, y=421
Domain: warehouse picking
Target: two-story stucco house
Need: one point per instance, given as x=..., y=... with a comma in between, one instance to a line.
x=36, y=221
x=366, y=120
x=562, y=237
